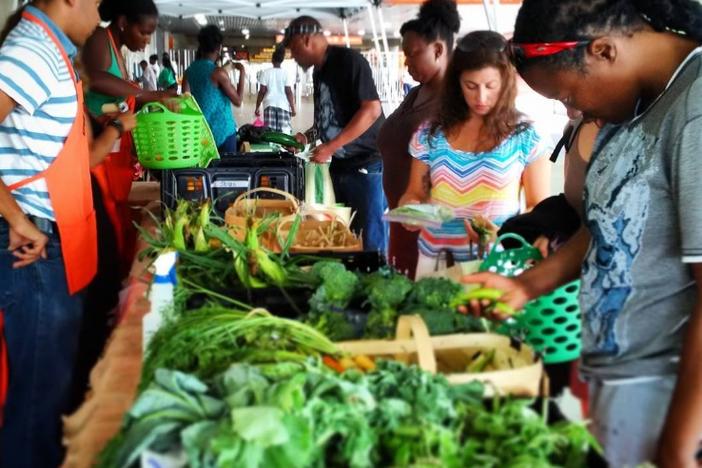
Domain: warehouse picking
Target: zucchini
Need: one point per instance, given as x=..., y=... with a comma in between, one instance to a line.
x=282, y=139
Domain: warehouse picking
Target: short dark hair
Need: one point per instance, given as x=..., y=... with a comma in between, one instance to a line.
x=133, y=10
x=301, y=25
x=437, y=19
x=576, y=20
x=153, y=58
x=144, y=63
x=210, y=39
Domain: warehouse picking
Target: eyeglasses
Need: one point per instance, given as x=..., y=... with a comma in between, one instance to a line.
x=521, y=53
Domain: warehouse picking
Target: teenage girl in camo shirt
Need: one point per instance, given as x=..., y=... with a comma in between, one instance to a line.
x=635, y=64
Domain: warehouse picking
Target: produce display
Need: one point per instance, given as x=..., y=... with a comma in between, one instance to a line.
x=286, y=411
x=229, y=385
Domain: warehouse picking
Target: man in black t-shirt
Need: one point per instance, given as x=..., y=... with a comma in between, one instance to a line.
x=347, y=118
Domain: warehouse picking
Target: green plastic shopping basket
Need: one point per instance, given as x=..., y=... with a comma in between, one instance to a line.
x=551, y=323
x=174, y=140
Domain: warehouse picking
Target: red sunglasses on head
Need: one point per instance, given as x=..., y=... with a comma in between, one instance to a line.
x=520, y=53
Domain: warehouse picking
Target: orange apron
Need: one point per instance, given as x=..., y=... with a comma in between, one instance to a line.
x=114, y=176
x=68, y=182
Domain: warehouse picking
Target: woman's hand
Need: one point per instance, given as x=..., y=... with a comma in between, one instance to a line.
x=483, y=232
x=409, y=199
x=516, y=295
x=128, y=120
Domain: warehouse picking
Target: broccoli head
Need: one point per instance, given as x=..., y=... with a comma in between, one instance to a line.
x=338, y=286
x=434, y=293
x=386, y=289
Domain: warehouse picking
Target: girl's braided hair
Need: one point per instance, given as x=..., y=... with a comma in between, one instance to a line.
x=576, y=20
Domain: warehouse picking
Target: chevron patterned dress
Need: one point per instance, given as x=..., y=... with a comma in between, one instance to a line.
x=471, y=184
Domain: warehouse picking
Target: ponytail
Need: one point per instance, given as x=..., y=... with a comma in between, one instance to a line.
x=683, y=17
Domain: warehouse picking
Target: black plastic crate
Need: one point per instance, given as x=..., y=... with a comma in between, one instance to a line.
x=227, y=178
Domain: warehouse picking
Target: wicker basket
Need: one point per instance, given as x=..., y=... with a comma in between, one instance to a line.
x=451, y=354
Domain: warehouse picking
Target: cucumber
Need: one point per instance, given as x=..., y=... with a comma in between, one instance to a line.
x=282, y=139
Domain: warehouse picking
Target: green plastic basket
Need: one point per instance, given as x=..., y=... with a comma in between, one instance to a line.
x=551, y=323
x=174, y=140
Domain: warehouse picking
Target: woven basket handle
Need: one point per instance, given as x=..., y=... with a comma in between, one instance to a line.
x=413, y=327
x=286, y=195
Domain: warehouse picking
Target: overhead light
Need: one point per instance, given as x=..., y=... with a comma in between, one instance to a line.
x=282, y=31
x=221, y=22
x=224, y=49
x=246, y=38
x=200, y=19
x=327, y=32
x=361, y=32
x=242, y=46
x=245, y=32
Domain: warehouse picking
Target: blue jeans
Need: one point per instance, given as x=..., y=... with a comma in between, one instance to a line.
x=42, y=326
x=363, y=192
x=229, y=145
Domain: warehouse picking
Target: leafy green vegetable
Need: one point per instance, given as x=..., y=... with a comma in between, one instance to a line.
x=434, y=293
x=337, y=289
x=386, y=289
x=206, y=341
x=396, y=416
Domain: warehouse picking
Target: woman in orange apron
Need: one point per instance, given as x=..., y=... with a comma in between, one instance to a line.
x=47, y=222
x=131, y=25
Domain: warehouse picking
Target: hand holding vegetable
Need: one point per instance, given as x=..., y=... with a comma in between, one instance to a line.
x=513, y=295
x=409, y=199
x=483, y=232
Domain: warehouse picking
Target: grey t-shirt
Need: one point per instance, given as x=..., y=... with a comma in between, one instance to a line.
x=643, y=207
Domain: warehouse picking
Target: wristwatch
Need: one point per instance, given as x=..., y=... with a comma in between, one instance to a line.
x=117, y=124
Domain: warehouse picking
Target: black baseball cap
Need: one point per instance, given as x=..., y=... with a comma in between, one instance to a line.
x=301, y=25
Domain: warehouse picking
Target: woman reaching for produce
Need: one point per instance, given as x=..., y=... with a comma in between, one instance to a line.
x=477, y=153
x=640, y=254
x=212, y=89
x=427, y=42
x=132, y=22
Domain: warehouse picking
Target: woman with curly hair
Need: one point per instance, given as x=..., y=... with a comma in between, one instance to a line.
x=478, y=153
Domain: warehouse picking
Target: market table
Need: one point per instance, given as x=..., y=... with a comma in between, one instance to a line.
x=115, y=377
